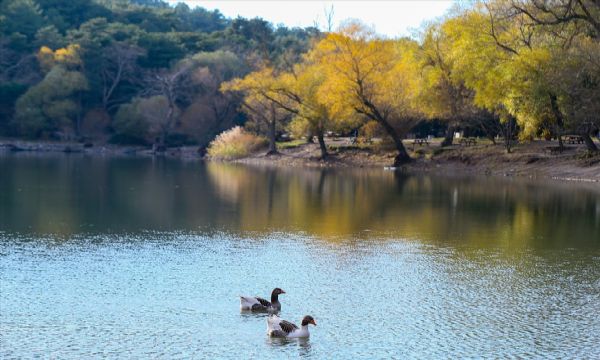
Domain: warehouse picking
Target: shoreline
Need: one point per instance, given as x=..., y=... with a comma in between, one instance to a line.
x=526, y=161
x=25, y=146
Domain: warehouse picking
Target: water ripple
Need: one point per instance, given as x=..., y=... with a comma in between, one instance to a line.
x=174, y=295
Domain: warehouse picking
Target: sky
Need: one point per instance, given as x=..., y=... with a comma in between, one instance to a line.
x=390, y=18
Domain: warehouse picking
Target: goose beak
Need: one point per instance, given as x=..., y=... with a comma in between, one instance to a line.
x=283, y=292
x=314, y=323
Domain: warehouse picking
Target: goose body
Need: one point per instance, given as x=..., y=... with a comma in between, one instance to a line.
x=250, y=303
x=276, y=327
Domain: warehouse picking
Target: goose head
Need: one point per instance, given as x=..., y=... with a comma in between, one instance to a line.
x=275, y=294
x=277, y=291
x=308, y=320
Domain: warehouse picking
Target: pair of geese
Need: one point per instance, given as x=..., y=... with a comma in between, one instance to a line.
x=276, y=327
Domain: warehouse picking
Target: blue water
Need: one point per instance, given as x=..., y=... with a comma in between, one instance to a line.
x=390, y=267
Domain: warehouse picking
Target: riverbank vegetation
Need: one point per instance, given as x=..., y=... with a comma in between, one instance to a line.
x=128, y=72
x=234, y=144
x=514, y=70
x=146, y=73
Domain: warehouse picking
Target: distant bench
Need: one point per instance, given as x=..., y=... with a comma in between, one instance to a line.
x=574, y=139
x=421, y=141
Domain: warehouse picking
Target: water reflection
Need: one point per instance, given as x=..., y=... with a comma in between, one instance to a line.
x=303, y=344
x=67, y=195
x=143, y=258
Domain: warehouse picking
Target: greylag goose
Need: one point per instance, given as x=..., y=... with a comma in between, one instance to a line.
x=260, y=304
x=282, y=328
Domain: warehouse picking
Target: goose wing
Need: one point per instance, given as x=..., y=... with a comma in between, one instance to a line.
x=287, y=326
x=263, y=302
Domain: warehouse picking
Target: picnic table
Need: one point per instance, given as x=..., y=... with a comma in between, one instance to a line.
x=468, y=141
x=573, y=139
x=420, y=141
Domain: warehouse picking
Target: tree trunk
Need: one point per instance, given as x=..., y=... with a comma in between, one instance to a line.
x=402, y=157
x=309, y=137
x=589, y=143
x=272, y=134
x=322, y=145
x=489, y=133
x=449, y=138
x=561, y=145
x=508, y=134
x=559, y=120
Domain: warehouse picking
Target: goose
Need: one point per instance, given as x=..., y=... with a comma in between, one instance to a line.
x=260, y=304
x=282, y=328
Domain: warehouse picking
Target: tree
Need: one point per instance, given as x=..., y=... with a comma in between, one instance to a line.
x=162, y=50
x=50, y=37
x=210, y=111
x=17, y=66
x=299, y=92
x=49, y=106
x=21, y=16
x=119, y=64
x=443, y=95
x=158, y=112
x=70, y=14
x=553, y=15
x=544, y=41
x=373, y=77
x=487, y=51
x=129, y=124
x=261, y=102
x=167, y=87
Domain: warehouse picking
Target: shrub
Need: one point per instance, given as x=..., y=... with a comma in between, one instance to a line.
x=370, y=130
x=235, y=143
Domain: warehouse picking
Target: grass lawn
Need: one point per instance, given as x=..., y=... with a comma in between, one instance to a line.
x=291, y=144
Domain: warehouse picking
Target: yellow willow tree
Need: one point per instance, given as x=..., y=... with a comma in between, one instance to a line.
x=443, y=95
x=518, y=68
x=301, y=90
x=372, y=77
x=567, y=34
x=486, y=62
x=261, y=102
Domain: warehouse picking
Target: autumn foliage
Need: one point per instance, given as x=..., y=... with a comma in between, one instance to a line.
x=512, y=69
x=235, y=143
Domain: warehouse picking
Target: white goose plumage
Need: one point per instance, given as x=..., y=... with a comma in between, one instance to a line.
x=277, y=327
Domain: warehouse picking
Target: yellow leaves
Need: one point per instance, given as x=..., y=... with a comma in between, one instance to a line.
x=257, y=82
x=262, y=102
x=45, y=58
x=68, y=57
x=365, y=74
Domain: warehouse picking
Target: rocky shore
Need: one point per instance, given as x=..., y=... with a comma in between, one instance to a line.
x=15, y=146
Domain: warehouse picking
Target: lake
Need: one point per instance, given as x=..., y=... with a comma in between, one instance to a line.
x=145, y=258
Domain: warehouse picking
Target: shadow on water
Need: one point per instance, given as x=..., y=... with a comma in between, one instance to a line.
x=74, y=194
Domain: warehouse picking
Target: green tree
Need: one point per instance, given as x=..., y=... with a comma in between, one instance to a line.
x=21, y=16
x=50, y=106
